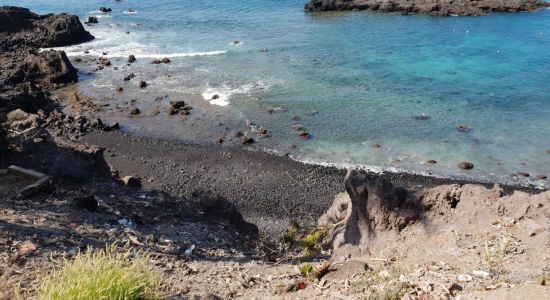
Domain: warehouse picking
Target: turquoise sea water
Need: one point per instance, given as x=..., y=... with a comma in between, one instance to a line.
x=367, y=75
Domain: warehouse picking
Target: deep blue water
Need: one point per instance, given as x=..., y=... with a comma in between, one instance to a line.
x=367, y=74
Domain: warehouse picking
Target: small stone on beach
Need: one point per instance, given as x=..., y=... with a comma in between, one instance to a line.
x=131, y=181
x=431, y=162
x=142, y=84
x=135, y=111
x=376, y=146
x=541, y=177
x=521, y=174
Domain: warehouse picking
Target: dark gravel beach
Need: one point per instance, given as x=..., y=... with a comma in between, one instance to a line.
x=270, y=191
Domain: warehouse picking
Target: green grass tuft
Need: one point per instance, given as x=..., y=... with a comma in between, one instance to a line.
x=104, y=274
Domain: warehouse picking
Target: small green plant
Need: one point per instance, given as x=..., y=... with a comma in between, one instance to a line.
x=498, y=252
x=312, y=242
x=104, y=274
x=291, y=233
x=306, y=270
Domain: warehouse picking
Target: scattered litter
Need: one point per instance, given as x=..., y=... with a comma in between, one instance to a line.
x=464, y=278
x=481, y=274
x=189, y=250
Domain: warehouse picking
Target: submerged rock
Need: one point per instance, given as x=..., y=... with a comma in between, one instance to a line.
x=129, y=77
x=463, y=128
x=422, y=116
x=247, y=140
x=161, y=61
x=465, y=165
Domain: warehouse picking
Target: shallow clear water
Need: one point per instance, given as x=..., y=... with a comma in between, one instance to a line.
x=367, y=74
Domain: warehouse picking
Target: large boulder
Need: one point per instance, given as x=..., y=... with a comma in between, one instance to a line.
x=21, y=28
x=26, y=74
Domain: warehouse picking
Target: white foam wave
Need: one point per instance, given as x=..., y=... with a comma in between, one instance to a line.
x=223, y=93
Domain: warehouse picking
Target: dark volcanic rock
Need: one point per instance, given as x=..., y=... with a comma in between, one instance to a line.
x=131, y=58
x=105, y=9
x=87, y=203
x=142, y=84
x=432, y=7
x=20, y=28
x=26, y=73
x=465, y=165
x=92, y=20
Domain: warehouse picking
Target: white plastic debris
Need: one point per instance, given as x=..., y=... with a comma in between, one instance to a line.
x=464, y=278
x=481, y=274
x=189, y=250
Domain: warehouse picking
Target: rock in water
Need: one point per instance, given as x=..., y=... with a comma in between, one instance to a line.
x=131, y=58
x=105, y=9
x=436, y=8
x=465, y=165
x=21, y=28
x=142, y=84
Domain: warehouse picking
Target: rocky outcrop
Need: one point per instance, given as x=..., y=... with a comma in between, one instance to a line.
x=432, y=7
x=26, y=74
x=21, y=28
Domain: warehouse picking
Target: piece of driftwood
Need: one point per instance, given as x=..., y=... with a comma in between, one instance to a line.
x=42, y=181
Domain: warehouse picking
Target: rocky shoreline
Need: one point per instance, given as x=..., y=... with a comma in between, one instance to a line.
x=222, y=222
x=431, y=7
